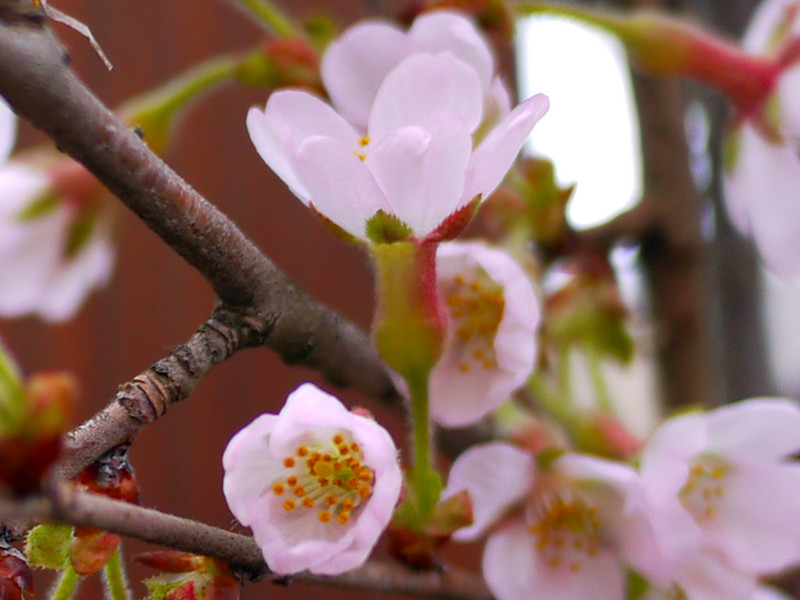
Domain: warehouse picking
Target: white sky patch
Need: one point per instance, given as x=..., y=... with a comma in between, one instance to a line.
x=591, y=132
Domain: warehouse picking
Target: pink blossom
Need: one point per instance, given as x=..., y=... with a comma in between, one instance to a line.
x=416, y=163
x=583, y=522
x=762, y=170
x=355, y=65
x=54, y=247
x=722, y=489
x=491, y=339
x=316, y=483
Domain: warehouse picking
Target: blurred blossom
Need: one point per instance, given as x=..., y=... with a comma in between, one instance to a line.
x=762, y=170
x=723, y=493
x=54, y=233
x=491, y=340
x=584, y=519
x=316, y=483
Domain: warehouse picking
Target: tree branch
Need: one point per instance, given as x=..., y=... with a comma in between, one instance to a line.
x=70, y=505
x=36, y=81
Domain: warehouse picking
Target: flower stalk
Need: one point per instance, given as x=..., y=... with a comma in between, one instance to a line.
x=269, y=16
x=67, y=583
x=409, y=331
x=155, y=111
x=115, y=578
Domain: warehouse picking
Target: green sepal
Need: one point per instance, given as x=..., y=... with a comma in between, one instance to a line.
x=79, y=232
x=384, y=228
x=42, y=206
x=47, y=546
x=636, y=586
x=546, y=458
x=611, y=338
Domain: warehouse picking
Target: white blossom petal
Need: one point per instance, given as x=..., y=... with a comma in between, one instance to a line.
x=496, y=475
x=437, y=155
x=423, y=85
x=493, y=157
x=355, y=65
x=340, y=185
x=443, y=31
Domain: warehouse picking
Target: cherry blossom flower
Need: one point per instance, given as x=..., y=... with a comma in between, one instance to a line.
x=355, y=65
x=723, y=490
x=416, y=163
x=584, y=519
x=316, y=483
x=491, y=341
x=762, y=170
x=54, y=234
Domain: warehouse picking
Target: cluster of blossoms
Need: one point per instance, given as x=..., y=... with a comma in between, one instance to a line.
x=709, y=510
x=54, y=232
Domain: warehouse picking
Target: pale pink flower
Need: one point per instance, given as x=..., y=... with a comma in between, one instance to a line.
x=723, y=494
x=491, y=344
x=584, y=520
x=355, y=65
x=54, y=248
x=416, y=162
x=762, y=171
x=316, y=483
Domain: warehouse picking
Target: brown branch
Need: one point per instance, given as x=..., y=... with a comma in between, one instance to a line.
x=674, y=253
x=36, y=81
x=69, y=505
x=148, y=395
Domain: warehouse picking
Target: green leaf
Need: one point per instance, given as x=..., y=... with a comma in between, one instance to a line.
x=47, y=546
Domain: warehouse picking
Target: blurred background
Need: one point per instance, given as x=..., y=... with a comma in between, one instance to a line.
x=155, y=301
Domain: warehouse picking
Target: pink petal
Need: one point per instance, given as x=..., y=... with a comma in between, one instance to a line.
x=8, y=130
x=664, y=459
x=423, y=85
x=443, y=30
x=492, y=159
x=306, y=408
x=290, y=117
x=355, y=65
x=249, y=467
x=421, y=170
x=758, y=519
x=496, y=475
x=508, y=561
x=459, y=398
x=764, y=190
x=75, y=278
x=340, y=185
x=760, y=429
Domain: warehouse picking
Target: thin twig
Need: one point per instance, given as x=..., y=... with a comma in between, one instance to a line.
x=70, y=505
x=36, y=81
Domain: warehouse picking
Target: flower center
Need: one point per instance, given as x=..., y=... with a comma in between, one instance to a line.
x=704, y=488
x=475, y=306
x=330, y=478
x=566, y=530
